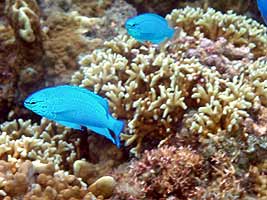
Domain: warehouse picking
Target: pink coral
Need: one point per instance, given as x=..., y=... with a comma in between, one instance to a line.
x=167, y=172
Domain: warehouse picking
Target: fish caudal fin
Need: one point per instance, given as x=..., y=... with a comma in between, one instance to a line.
x=116, y=127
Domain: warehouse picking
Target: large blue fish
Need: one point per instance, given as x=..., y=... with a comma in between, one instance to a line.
x=76, y=107
x=149, y=27
x=262, y=5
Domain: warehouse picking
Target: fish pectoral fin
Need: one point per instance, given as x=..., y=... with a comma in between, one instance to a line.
x=102, y=131
x=70, y=125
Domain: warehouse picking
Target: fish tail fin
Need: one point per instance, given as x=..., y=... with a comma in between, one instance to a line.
x=117, y=127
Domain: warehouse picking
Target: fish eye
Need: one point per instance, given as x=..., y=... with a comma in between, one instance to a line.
x=30, y=102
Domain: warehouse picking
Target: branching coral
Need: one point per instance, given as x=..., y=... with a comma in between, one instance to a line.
x=238, y=30
x=23, y=140
x=231, y=100
x=145, y=87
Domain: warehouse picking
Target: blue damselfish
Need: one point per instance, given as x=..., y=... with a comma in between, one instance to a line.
x=76, y=107
x=149, y=27
x=262, y=5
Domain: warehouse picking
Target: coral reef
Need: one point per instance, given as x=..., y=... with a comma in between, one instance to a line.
x=205, y=87
x=69, y=34
x=132, y=86
x=21, y=46
x=200, y=70
x=7, y=73
x=194, y=107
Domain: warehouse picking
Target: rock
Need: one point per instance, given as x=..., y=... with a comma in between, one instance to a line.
x=103, y=186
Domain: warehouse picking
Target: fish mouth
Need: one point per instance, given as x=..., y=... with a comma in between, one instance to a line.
x=128, y=26
x=30, y=102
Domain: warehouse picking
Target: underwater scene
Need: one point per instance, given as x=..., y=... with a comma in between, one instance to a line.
x=133, y=99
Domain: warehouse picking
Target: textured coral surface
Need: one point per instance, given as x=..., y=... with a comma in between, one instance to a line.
x=194, y=106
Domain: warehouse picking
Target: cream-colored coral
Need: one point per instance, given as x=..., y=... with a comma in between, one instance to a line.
x=148, y=90
x=237, y=29
x=227, y=102
x=24, y=140
x=25, y=14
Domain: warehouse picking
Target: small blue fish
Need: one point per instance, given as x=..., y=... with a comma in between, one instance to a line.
x=262, y=5
x=74, y=107
x=149, y=27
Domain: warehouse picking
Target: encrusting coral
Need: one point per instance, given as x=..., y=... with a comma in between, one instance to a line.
x=64, y=40
x=24, y=179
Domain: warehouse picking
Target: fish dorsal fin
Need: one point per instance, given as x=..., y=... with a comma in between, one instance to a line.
x=157, y=16
x=98, y=98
